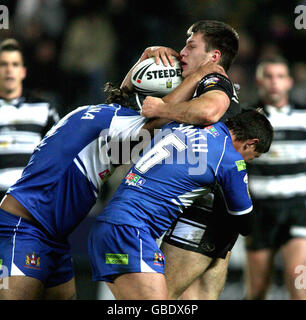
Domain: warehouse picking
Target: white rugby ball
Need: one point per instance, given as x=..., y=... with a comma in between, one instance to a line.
x=154, y=79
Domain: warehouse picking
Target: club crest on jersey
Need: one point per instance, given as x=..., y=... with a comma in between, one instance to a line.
x=134, y=180
x=210, y=82
x=212, y=130
x=32, y=261
x=159, y=259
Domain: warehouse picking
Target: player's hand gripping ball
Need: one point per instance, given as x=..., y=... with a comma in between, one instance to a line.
x=154, y=79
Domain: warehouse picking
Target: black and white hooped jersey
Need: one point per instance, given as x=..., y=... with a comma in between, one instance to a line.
x=23, y=123
x=281, y=172
x=69, y=166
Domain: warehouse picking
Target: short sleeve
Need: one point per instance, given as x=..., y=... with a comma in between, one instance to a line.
x=233, y=179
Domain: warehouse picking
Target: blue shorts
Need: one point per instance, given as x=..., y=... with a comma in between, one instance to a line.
x=26, y=250
x=118, y=249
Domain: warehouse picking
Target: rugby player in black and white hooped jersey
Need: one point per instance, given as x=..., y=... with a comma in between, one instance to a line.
x=278, y=188
x=214, y=99
x=24, y=117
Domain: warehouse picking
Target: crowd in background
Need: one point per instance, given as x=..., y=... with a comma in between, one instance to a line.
x=72, y=47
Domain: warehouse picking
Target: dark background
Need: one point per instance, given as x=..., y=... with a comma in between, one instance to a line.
x=72, y=47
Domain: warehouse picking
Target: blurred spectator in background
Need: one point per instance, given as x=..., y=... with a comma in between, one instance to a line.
x=87, y=58
x=24, y=118
x=277, y=183
x=39, y=26
x=138, y=26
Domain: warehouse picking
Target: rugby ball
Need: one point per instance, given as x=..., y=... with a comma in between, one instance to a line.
x=156, y=80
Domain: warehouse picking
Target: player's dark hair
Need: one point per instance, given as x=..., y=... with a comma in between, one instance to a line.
x=251, y=124
x=11, y=45
x=218, y=35
x=116, y=95
x=123, y=96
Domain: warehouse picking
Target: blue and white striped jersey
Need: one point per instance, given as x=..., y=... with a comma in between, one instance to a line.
x=67, y=170
x=183, y=162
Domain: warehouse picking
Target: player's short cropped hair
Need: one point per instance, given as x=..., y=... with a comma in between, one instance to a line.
x=251, y=124
x=271, y=60
x=11, y=45
x=218, y=35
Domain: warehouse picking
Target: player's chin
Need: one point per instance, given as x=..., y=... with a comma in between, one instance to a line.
x=185, y=72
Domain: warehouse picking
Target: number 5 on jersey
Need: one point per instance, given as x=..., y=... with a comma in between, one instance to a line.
x=159, y=152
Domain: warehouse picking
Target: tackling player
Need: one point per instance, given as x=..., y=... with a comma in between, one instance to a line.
x=184, y=163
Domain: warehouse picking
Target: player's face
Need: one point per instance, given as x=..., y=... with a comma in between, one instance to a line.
x=193, y=54
x=274, y=84
x=12, y=71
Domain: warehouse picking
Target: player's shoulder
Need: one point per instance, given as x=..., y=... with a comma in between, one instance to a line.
x=215, y=79
x=31, y=97
x=232, y=159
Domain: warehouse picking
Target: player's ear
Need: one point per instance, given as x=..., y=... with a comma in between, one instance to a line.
x=216, y=55
x=24, y=73
x=251, y=143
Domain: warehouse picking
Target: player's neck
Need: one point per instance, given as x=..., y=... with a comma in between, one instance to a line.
x=10, y=94
x=277, y=104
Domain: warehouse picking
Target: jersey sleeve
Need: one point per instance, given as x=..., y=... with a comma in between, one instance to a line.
x=126, y=124
x=233, y=179
x=215, y=81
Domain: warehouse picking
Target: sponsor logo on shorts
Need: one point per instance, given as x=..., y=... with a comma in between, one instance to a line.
x=240, y=165
x=116, y=258
x=159, y=259
x=134, y=180
x=32, y=261
x=212, y=130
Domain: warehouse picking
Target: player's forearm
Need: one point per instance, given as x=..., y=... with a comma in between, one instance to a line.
x=154, y=124
x=197, y=111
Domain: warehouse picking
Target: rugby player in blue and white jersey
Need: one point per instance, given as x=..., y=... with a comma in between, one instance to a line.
x=183, y=163
x=57, y=190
